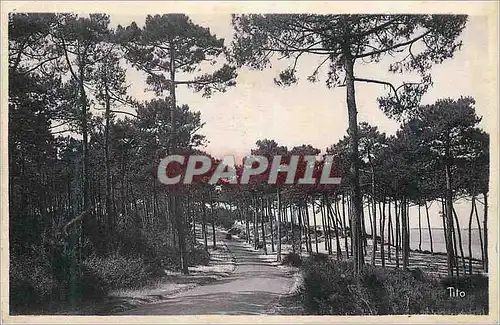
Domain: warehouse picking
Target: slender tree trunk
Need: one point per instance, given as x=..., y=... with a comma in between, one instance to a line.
x=323, y=223
x=85, y=136
x=335, y=229
x=374, y=213
x=459, y=233
x=419, y=229
x=264, y=244
x=212, y=221
x=306, y=208
x=293, y=230
x=345, y=227
x=247, y=222
x=382, y=233
x=485, y=228
x=396, y=215
x=470, y=234
x=404, y=233
x=354, y=160
x=329, y=225
x=449, y=211
x=271, y=217
x=204, y=224
x=255, y=223
x=191, y=203
x=278, y=197
x=480, y=233
x=390, y=232
x=177, y=213
x=429, y=227
x=315, y=226
x=299, y=217
x=364, y=239
x=107, y=163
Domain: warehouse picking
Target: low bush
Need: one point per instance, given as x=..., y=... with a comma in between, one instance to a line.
x=30, y=282
x=292, y=259
x=198, y=256
x=38, y=281
x=331, y=287
x=118, y=271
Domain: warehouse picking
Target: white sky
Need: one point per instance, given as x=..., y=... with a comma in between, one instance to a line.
x=309, y=113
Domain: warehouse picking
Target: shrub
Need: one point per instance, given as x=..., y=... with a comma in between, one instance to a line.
x=198, y=256
x=118, y=271
x=38, y=281
x=330, y=287
x=228, y=237
x=30, y=282
x=292, y=259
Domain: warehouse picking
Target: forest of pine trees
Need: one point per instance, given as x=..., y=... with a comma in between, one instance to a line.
x=83, y=187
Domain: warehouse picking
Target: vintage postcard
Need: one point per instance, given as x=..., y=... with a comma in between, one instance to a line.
x=249, y=162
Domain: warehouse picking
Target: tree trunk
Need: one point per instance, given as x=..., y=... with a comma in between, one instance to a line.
x=212, y=221
x=459, y=232
x=363, y=234
x=85, y=136
x=278, y=197
x=382, y=232
x=271, y=217
x=389, y=230
x=354, y=161
x=485, y=229
x=419, y=229
x=109, y=205
x=293, y=230
x=204, y=225
x=329, y=226
x=429, y=227
x=264, y=244
x=299, y=217
x=404, y=233
x=480, y=232
x=345, y=227
x=177, y=210
x=449, y=213
x=315, y=226
x=335, y=229
x=308, y=231
x=470, y=234
x=323, y=222
x=449, y=247
x=374, y=222
x=396, y=215
x=255, y=224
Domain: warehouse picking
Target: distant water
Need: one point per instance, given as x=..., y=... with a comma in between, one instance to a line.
x=439, y=243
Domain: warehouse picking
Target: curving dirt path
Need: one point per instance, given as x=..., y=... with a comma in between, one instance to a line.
x=253, y=288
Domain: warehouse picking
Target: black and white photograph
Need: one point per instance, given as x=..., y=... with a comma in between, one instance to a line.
x=256, y=162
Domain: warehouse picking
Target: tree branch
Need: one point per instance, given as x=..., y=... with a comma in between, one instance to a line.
x=392, y=47
x=380, y=82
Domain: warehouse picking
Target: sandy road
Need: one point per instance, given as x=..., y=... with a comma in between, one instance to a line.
x=253, y=288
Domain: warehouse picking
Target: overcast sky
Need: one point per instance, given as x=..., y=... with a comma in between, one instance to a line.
x=310, y=113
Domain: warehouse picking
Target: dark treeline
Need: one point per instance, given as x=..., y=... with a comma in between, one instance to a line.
x=83, y=182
